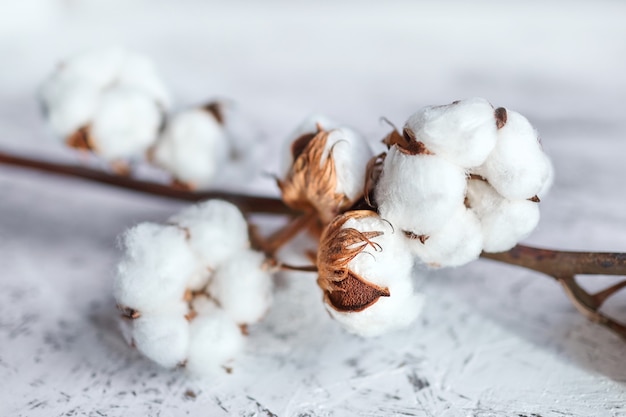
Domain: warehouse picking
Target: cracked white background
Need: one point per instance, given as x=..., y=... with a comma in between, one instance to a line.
x=493, y=340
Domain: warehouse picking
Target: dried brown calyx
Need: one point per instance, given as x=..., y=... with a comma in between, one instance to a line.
x=406, y=142
x=80, y=139
x=216, y=109
x=312, y=179
x=344, y=290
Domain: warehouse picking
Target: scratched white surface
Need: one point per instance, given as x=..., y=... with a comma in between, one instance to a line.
x=493, y=341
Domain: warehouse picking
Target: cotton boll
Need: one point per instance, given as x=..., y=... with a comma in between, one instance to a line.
x=215, y=340
x=140, y=73
x=155, y=268
x=125, y=124
x=162, y=337
x=517, y=168
x=504, y=222
x=193, y=148
x=419, y=193
x=458, y=242
x=350, y=153
x=372, y=293
x=463, y=132
x=217, y=230
x=243, y=287
x=69, y=105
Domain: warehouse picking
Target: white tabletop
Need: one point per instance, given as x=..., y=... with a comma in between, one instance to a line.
x=493, y=340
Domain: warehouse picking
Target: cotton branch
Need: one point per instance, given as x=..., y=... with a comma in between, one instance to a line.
x=563, y=266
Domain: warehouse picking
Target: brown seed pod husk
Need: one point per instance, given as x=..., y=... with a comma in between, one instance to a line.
x=344, y=290
x=312, y=180
x=406, y=142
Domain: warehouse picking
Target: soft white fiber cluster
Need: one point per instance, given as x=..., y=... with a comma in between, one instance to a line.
x=116, y=95
x=193, y=148
x=188, y=286
x=425, y=188
x=389, y=265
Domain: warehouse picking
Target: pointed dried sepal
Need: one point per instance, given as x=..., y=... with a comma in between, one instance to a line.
x=80, y=139
x=406, y=142
x=310, y=185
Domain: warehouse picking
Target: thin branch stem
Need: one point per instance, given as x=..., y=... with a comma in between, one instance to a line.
x=307, y=268
x=246, y=203
x=274, y=242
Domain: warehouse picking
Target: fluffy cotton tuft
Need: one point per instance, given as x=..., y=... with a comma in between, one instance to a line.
x=215, y=340
x=124, y=123
x=463, y=132
x=504, y=222
x=243, y=287
x=162, y=337
x=419, y=193
x=113, y=94
x=216, y=228
x=517, y=168
x=155, y=268
x=458, y=242
x=350, y=153
x=193, y=148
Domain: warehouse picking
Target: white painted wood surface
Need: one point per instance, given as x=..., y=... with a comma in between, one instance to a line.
x=493, y=341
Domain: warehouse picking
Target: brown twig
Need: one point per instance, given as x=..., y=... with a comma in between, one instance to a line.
x=246, y=203
x=274, y=242
x=564, y=267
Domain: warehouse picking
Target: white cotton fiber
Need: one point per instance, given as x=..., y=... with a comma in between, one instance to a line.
x=389, y=265
x=217, y=230
x=517, y=168
x=419, y=193
x=162, y=337
x=125, y=124
x=155, y=267
x=243, y=287
x=193, y=148
x=70, y=106
x=458, y=242
x=463, y=132
x=350, y=153
x=215, y=340
x=504, y=222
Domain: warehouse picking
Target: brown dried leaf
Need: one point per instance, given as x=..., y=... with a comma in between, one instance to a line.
x=311, y=183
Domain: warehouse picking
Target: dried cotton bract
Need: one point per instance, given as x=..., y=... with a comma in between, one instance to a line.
x=365, y=273
x=328, y=171
x=109, y=101
x=188, y=287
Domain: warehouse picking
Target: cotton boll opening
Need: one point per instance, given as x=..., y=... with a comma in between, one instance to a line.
x=70, y=105
x=163, y=338
x=192, y=148
x=419, y=193
x=215, y=340
x=517, y=168
x=458, y=242
x=125, y=124
x=217, y=230
x=463, y=132
x=156, y=266
x=504, y=222
x=242, y=287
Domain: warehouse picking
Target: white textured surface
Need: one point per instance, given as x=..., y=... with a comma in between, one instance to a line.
x=493, y=341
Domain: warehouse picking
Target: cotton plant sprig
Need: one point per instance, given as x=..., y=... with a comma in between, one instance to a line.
x=113, y=103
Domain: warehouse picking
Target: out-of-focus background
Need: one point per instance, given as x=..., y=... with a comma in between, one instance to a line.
x=493, y=340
